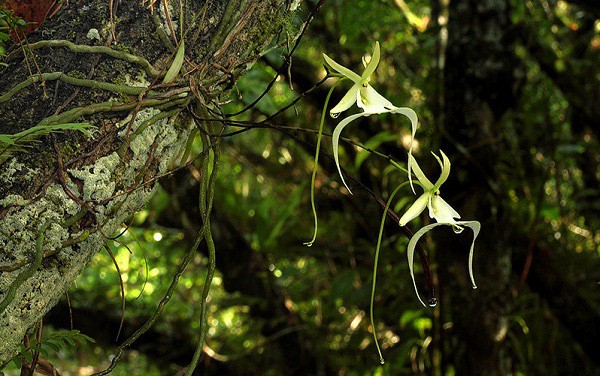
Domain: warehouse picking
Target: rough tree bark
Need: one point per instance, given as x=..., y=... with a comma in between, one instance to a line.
x=60, y=200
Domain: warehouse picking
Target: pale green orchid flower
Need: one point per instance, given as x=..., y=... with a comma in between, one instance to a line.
x=369, y=100
x=361, y=92
x=439, y=210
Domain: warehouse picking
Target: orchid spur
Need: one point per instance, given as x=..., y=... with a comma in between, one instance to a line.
x=439, y=210
x=369, y=100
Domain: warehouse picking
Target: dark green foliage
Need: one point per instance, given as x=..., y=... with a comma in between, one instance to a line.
x=20, y=142
x=8, y=22
x=50, y=345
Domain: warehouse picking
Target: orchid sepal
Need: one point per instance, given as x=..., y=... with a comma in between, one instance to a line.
x=335, y=139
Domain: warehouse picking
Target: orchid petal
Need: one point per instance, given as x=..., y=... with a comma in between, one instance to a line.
x=412, y=116
x=445, y=170
x=370, y=68
x=442, y=211
x=345, y=103
x=438, y=160
x=335, y=139
x=342, y=69
x=416, y=208
x=475, y=226
x=427, y=185
x=410, y=253
x=371, y=101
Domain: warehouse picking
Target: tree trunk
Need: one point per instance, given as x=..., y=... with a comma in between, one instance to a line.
x=479, y=88
x=60, y=200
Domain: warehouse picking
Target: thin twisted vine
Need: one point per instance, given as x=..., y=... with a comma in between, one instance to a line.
x=208, y=194
x=207, y=189
x=84, y=48
x=25, y=275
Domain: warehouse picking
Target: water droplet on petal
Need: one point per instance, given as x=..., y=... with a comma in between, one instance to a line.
x=335, y=115
x=432, y=302
x=457, y=229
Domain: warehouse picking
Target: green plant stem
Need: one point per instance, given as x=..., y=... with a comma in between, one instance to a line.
x=190, y=253
x=82, y=82
x=65, y=243
x=316, y=166
x=82, y=48
x=25, y=275
x=75, y=113
x=207, y=189
x=375, y=264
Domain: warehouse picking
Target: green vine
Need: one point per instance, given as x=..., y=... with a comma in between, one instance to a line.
x=207, y=190
x=206, y=201
x=92, y=84
x=38, y=256
x=83, y=48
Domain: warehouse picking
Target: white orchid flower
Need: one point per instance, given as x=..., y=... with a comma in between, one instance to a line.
x=369, y=100
x=439, y=210
x=361, y=92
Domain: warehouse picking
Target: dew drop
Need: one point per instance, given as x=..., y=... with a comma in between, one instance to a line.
x=432, y=301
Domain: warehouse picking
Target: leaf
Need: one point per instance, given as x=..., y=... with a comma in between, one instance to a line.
x=17, y=361
x=18, y=142
x=409, y=316
x=570, y=149
x=53, y=345
x=373, y=143
x=31, y=13
x=28, y=356
x=6, y=139
x=176, y=65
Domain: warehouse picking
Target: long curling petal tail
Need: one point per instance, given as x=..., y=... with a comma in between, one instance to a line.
x=414, y=123
x=335, y=140
x=476, y=227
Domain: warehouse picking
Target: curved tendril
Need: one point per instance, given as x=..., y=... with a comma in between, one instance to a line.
x=387, y=206
x=316, y=166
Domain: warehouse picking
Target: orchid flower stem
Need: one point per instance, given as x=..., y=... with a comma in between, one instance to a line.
x=385, y=211
x=420, y=251
x=395, y=164
x=316, y=165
